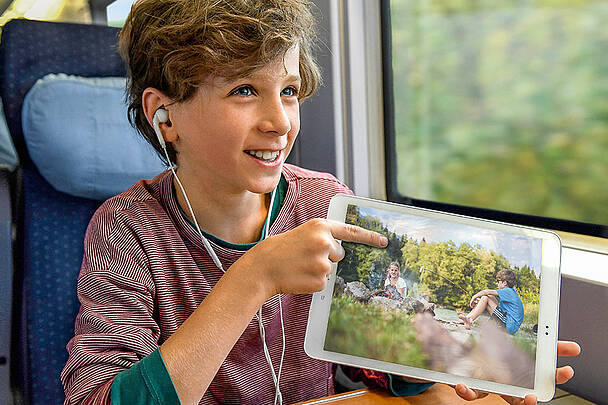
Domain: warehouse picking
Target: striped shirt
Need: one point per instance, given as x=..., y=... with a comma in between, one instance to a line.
x=145, y=270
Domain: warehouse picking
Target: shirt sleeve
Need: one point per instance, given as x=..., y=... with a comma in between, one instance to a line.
x=402, y=388
x=384, y=381
x=146, y=382
x=505, y=294
x=115, y=327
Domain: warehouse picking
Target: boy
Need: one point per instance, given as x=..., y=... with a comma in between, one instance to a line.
x=176, y=267
x=507, y=310
x=159, y=319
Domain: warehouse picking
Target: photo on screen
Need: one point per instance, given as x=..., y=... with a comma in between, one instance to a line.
x=442, y=296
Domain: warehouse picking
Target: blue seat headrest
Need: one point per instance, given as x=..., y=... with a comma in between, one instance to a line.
x=78, y=136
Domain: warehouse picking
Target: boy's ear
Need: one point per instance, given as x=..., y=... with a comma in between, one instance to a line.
x=152, y=100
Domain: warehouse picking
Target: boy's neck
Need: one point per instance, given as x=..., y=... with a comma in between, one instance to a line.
x=237, y=218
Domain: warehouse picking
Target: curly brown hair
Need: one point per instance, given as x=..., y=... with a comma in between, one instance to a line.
x=173, y=45
x=508, y=276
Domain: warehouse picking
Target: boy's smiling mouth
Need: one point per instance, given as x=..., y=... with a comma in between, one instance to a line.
x=265, y=156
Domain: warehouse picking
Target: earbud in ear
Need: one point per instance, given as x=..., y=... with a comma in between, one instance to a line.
x=161, y=115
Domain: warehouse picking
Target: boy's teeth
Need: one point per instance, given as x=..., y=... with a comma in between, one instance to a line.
x=266, y=155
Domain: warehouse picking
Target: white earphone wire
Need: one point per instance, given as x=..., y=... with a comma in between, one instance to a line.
x=276, y=377
x=206, y=243
x=278, y=398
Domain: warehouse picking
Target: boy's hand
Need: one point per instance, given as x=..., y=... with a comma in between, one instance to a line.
x=474, y=299
x=562, y=375
x=298, y=261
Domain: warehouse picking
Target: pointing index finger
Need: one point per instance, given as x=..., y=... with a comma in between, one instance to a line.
x=353, y=233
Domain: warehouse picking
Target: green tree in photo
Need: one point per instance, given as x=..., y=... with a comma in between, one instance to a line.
x=364, y=263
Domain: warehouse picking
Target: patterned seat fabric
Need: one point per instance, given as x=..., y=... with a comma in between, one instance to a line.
x=51, y=224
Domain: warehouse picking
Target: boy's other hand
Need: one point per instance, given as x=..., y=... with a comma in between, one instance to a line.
x=299, y=261
x=562, y=375
x=474, y=299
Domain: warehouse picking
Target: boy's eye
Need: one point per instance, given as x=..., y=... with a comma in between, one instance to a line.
x=289, y=91
x=244, y=91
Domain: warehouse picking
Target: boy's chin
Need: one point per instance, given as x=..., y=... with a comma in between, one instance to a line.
x=266, y=187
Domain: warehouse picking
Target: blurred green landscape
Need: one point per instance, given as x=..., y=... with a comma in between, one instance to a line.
x=503, y=104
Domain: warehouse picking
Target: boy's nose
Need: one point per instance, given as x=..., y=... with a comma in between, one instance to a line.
x=275, y=118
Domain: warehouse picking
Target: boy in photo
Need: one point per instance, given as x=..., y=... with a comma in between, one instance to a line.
x=503, y=304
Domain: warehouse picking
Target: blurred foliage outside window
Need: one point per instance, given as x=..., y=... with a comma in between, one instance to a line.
x=503, y=104
x=76, y=11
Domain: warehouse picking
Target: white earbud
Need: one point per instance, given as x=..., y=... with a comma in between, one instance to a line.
x=161, y=115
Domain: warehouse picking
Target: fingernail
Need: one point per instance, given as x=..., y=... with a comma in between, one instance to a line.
x=462, y=390
x=383, y=241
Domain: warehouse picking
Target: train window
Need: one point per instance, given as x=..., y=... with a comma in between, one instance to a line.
x=499, y=109
x=118, y=11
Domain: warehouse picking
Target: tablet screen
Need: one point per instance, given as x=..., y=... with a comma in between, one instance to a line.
x=443, y=296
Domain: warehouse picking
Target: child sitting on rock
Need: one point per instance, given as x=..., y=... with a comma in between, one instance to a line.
x=503, y=304
x=394, y=284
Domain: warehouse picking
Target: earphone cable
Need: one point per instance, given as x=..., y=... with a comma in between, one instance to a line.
x=210, y=250
x=278, y=395
x=276, y=379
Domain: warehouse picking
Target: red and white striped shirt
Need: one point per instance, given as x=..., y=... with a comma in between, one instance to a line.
x=145, y=270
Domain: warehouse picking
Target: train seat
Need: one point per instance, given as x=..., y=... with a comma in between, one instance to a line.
x=76, y=148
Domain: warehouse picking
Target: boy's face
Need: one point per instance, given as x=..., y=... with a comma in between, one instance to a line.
x=501, y=283
x=234, y=135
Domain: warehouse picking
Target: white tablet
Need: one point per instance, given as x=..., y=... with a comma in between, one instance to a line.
x=451, y=299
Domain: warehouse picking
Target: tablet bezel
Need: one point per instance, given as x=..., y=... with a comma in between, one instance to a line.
x=546, y=353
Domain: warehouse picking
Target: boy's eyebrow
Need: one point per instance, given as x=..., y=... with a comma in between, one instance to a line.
x=293, y=78
x=222, y=82
x=288, y=78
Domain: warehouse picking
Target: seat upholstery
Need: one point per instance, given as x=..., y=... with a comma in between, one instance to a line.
x=51, y=224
